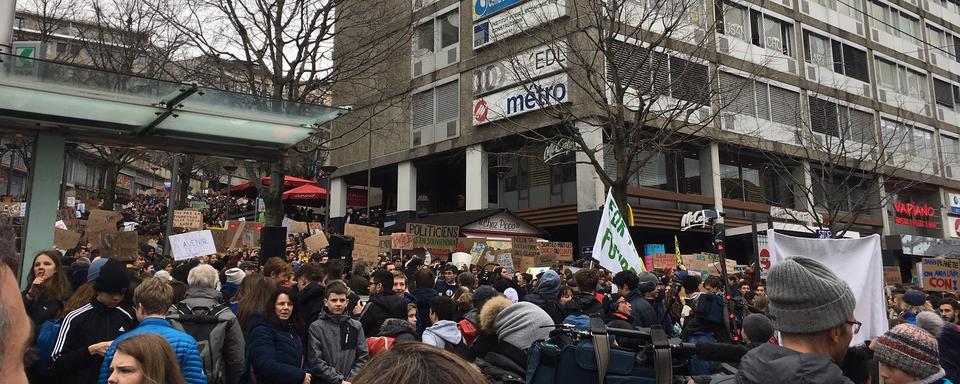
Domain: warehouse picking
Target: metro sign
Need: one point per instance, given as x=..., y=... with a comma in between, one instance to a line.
x=516, y=101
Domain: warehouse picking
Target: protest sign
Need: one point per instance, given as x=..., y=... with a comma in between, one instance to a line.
x=192, y=244
x=363, y=235
x=505, y=259
x=315, y=228
x=524, y=247
x=614, y=246
x=316, y=242
x=69, y=217
x=664, y=261
x=434, y=236
x=401, y=240
x=65, y=239
x=185, y=218
x=104, y=216
x=940, y=274
x=699, y=262
x=118, y=245
x=559, y=251
x=220, y=239
x=525, y=262
x=366, y=253
x=476, y=251
x=298, y=227
x=891, y=275
x=198, y=205
x=385, y=243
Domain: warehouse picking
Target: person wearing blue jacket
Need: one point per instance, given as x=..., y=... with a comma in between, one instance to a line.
x=152, y=299
x=275, y=348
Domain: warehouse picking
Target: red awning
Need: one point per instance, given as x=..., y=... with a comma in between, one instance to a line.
x=305, y=192
x=288, y=182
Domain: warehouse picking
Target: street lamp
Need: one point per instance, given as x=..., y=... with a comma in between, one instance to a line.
x=326, y=171
x=230, y=170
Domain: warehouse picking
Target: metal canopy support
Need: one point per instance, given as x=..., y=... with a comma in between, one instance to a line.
x=43, y=199
x=168, y=108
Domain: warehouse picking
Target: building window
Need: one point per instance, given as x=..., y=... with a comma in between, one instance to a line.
x=951, y=156
x=760, y=100
x=831, y=119
x=909, y=143
x=943, y=42
x=753, y=180
x=676, y=172
x=837, y=191
x=899, y=78
x=655, y=74
x=435, y=114
x=436, y=43
x=836, y=56
x=762, y=30
x=850, y=8
x=893, y=20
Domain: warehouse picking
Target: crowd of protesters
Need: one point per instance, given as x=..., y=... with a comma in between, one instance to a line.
x=308, y=318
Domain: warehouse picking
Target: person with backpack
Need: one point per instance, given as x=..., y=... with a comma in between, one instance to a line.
x=87, y=332
x=546, y=295
x=336, y=347
x=152, y=298
x=586, y=302
x=211, y=322
x=443, y=331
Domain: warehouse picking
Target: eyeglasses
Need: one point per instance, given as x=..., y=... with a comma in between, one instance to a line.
x=855, y=325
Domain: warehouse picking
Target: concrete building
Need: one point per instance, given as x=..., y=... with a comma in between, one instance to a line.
x=860, y=71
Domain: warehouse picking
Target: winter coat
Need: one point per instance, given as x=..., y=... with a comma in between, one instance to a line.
x=771, y=363
x=399, y=330
x=234, y=343
x=583, y=304
x=547, y=303
x=184, y=346
x=381, y=307
x=441, y=333
x=311, y=302
x=336, y=348
x=41, y=309
x=949, y=346
x=423, y=296
x=228, y=290
x=647, y=314
x=504, y=364
x=276, y=354
x=359, y=284
x=619, y=320
x=445, y=289
x=81, y=328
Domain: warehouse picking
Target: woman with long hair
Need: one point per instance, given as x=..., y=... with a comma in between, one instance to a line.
x=254, y=293
x=275, y=348
x=145, y=359
x=49, y=287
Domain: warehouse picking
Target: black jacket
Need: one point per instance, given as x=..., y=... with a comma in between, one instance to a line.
x=41, y=309
x=505, y=364
x=81, y=328
x=276, y=354
x=583, y=304
x=381, y=307
x=770, y=363
x=548, y=303
x=423, y=297
x=311, y=299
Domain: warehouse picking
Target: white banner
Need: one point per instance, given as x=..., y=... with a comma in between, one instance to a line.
x=192, y=244
x=856, y=261
x=529, y=15
x=614, y=247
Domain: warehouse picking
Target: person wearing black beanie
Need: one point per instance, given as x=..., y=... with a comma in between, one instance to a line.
x=86, y=332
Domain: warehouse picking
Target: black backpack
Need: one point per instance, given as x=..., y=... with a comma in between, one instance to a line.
x=460, y=349
x=209, y=327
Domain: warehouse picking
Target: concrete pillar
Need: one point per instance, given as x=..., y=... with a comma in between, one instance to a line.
x=944, y=210
x=43, y=198
x=884, y=215
x=590, y=191
x=407, y=187
x=477, y=174
x=338, y=197
x=710, y=174
x=803, y=198
x=8, y=10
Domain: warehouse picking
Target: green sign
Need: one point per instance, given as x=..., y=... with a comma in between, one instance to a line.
x=25, y=56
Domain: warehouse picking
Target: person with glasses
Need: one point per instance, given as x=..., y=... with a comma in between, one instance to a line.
x=383, y=303
x=813, y=310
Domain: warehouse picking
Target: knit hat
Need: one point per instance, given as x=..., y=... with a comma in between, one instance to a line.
x=94, y=271
x=549, y=283
x=915, y=298
x=482, y=294
x=758, y=328
x=113, y=277
x=806, y=297
x=912, y=348
x=235, y=275
x=521, y=324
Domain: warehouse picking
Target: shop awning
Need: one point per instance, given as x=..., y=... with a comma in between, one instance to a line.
x=497, y=222
x=91, y=105
x=288, y=182
x=305, y=192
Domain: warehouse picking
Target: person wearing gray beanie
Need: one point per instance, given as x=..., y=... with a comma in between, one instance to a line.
x=813, y=310
x=521, y=324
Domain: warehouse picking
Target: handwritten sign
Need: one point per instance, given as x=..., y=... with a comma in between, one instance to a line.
x=385, y=243
x=192, y=244
x=523, y=263
x=940, y=274
x=560, y=251
x=891, y=275
x=505, y=259
x=316, y=242
x=299, y=227
x=700, y=263
x=477, y=251
x=434, y=236
x=315, y=228
x=220, y=239
x=366, y=253
x=69, y=217
x=119, y=245
x=664, y=261
x=65, y=239
x=401, y=240
x=363, y=235
x=104, y=216
x=185, y=218
x=524, y=247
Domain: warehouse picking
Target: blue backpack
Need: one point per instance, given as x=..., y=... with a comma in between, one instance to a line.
x=46, y=339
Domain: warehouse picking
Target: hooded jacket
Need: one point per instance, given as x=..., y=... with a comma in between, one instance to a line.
x=381, y=307
x=81, y=328
x=336, y=348
x=770, y=363
x=441, y=333
x=184, y=346
x=234, y=343
x=546, y=296
x=399, y=330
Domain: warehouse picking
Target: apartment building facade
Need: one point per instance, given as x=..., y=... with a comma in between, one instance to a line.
x=881, y=76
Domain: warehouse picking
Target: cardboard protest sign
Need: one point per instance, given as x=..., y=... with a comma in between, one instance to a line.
x=385, y=243
x=103, y=216
x=363, y=235
x=192, y=244
x=663, y=261
x=476, y=251
x=315, y=228
x=69, y=217
x=891, y=275
x=65, y=239
x=557, y=251
x=434, y=236
x=219, y=238
x=298, y=227
x=940, y=274
x=118, y=245
x=525, y=247
x=700, y=263
x=525, y=263
x=185, y=218
x=316, y=242
x=243, y=234
x=401, y=240
x=366, y=253
x=505, y=259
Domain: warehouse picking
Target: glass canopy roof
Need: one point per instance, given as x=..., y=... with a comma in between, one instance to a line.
x=139, y=111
